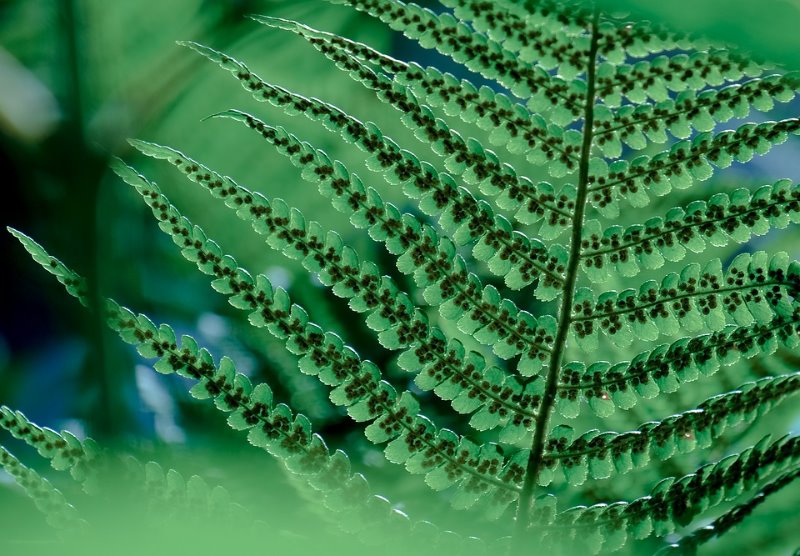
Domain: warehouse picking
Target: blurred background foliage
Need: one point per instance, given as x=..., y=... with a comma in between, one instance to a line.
x=78, y=77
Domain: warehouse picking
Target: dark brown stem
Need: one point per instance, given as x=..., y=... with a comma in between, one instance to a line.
x=535, y=459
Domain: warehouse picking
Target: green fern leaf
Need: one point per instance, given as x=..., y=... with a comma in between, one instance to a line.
x=723, y=219
x=442, y=366
x=539, y=32
x=667, y=367
x=689, y=111
x=459, y=212
x=754, y=288
x=590, y=88
x=672, y=502
x=477, y=166
x=509, y=124
x=75, y=286
x=685, y=163
x=688, y=545
x=655, y=79
x=64, y=450
x=412, y=437
x=557, y=97
x=599, y=455
x=470, y=160
x=432, y=261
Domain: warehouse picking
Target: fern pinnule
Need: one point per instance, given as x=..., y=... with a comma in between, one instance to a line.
x=599, y=455
x=445, y=367
x=636, y=125
x=395, y=417
x=468, y=159
x=518, y=258
x=688, y=545
x=534, y=31
x=507, y=123
x=63, y=449
x=722, y=219
x=685, y=163
x=754, y=288
x=673, y=503
x=645, y=79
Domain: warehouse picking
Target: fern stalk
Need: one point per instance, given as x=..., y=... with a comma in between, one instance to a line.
x=535, y=459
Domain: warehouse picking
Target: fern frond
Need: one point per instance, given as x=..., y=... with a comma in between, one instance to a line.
x=469, y=159
x=423, y=253
x=673, y=503
x=559, y=98
x=638, y=39
x=431, y=259
x=599, y=455
x=588, y=88
x=273, y=427
x=754, y=288
x=441, y=365
x=59, y=513
x=687, y=545
x=655, y=79
x=74, y=284
x=685, y=163
x=395, y=418
x=667, y=367
x=540, y=32
x=689, y=111
x=723, y=219
x=508, y=123
x=467, y=219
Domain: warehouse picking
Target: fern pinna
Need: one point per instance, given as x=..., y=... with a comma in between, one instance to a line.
x=622, y=298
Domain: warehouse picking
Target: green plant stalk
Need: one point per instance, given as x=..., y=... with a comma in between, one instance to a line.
x=535, y=458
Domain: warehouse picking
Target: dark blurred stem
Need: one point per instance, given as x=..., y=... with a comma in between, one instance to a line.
x=83, y=178
x=536, y=457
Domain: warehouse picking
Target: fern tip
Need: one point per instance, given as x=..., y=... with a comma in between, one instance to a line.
x=23, y=238
x=126, y=172
x=196, y=46
x=139, y=144
x=270, y=20
x=216, y=115
x=231, y=113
